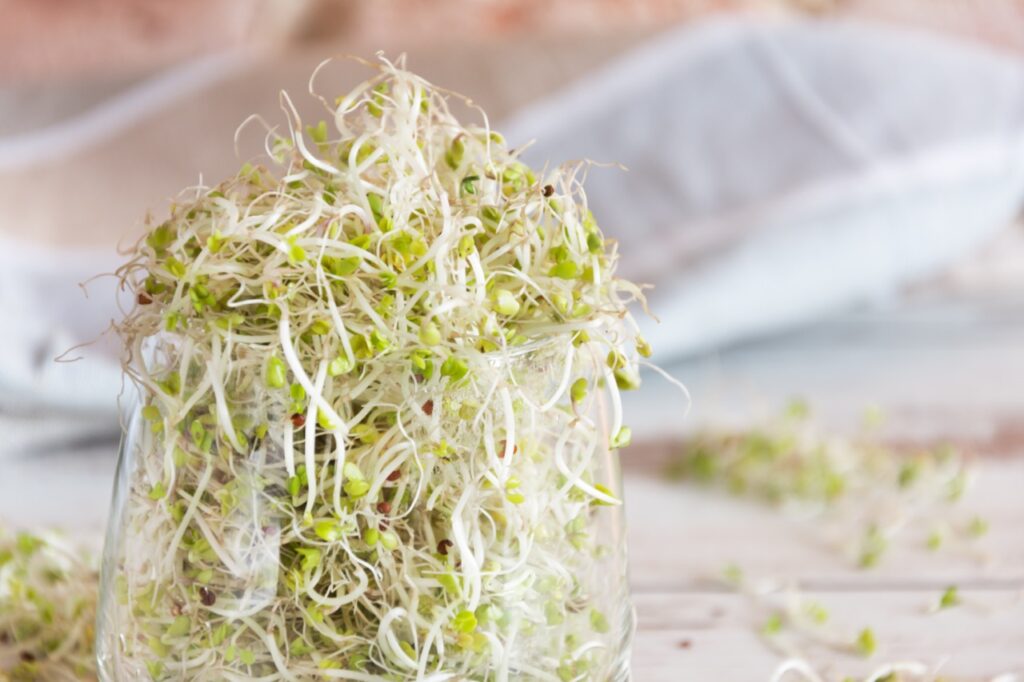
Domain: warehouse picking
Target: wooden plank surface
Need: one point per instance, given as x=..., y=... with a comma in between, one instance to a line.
x=681, y=538
x=710, y=637
x=945, y=368
x=691, y=627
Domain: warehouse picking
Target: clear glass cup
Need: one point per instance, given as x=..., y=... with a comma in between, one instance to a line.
x=504, y=562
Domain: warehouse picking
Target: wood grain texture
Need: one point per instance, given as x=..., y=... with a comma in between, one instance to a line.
x=710, y=637
x=682, y=537
x=945, y=365
x=693, y=628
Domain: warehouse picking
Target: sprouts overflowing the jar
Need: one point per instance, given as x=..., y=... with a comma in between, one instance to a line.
x=380, y=385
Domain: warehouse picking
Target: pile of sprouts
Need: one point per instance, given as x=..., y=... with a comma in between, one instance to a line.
x=380, y=388
x=48, y=593
x=864, y=493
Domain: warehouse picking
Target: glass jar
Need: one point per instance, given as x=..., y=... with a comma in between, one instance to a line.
x=475, y=533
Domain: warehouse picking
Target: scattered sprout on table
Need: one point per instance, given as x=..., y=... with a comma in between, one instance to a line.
x=863, y=494
x=866, y=643
x=950, y=597
x=860, y=491
x=48, y=593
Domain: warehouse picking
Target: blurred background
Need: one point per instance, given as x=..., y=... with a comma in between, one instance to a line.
x=825, y=193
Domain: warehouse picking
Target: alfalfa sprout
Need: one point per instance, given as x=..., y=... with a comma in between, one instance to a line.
x=373, y=438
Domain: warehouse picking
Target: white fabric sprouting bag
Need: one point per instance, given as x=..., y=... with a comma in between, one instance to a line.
x=781, y=171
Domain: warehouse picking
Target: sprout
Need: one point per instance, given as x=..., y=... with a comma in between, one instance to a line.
x=578, y=391
x=505, y=303
x=430, y=335
x=276, y=373
x=622, y=437
x=48, y=594
x=977, y=527
x=950, y=598
x=372, y=374
x=866, y=643
x=865, y=493
x=773, y=625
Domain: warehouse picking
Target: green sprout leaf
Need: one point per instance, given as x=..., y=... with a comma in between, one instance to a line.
x=950, y=598
x=465, y=621
x=866, y=644
x=622, y=438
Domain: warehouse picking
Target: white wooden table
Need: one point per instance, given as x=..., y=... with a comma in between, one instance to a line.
x=691, y=628
x=943, y=369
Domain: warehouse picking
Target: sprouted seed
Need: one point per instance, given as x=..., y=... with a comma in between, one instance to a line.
x=950, y=598
x=48, y=593
x=373, y=376
x=790, y=620
x=866, y=643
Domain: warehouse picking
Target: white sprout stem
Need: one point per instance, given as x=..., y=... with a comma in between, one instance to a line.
x=190, y=511
x=223, y=414
x=275, y=653
x=339, y=478
x=799, y=666
x=309, y=443
x=563, y=384
x=470, y=566
x=300, y=374
x=297, y=138
x=387, y=640
x=336, y=602
x=339, y=325
x=575, y=478
x=289, y=449
x=613, y=392
x=222, y=553
x=510, y=430
x=672, y=380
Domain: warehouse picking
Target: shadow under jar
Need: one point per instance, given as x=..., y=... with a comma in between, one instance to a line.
x=452, y=529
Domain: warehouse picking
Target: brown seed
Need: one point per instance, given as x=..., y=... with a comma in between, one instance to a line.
x=444, y=546
x=501, y=449
x=27, y=656
x=298, y=420
x=384, y=524
x=548, y=190
x=685, y=644
x=395, y=475
x=207, y=596
x=144, y=298
x=384, y=507
x=428, y=407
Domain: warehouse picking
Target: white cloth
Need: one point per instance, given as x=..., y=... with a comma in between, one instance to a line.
x=781, y=171
x=45, y=314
